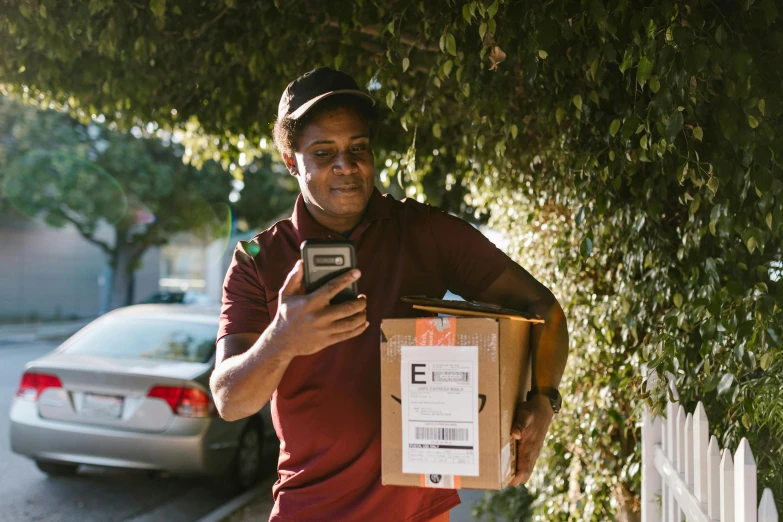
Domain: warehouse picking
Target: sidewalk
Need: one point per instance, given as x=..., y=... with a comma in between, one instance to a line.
x=31, y=332
x=258, y=509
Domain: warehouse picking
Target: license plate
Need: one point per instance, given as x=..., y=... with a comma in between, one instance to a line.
x=102, y=406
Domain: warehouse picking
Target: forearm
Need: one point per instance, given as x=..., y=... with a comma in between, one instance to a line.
x=549, y=345
x=242, y=384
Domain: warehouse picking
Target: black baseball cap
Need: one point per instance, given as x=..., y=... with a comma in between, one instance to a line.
x=312, y=87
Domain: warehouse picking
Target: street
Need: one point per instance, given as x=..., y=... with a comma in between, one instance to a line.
x=95, y=494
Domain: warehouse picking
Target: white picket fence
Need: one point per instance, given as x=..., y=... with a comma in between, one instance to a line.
x=686, y=477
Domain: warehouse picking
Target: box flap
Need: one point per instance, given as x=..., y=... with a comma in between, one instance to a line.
x=469, y=308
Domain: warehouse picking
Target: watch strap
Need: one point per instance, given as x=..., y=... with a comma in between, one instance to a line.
x=555, y=399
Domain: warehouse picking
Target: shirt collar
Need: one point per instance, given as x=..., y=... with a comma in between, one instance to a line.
x=378, y=207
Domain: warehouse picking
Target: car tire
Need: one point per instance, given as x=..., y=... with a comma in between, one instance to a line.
x=57, y=469
x=247, y=464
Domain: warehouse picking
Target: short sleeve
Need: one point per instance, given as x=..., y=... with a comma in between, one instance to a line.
x=244, y=307
x=471, y=262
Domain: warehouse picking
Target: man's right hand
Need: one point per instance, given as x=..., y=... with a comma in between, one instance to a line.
x=307, y=323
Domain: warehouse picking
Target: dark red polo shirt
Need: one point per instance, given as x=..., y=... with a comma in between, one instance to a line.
x=327, y=408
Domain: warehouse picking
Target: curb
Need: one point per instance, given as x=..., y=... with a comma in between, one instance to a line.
x=236, y=503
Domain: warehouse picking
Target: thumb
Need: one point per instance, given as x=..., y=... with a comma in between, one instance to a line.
x=522, y=420
x=293, y=284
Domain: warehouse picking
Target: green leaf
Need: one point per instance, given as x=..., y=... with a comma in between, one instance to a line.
x=586, y=247
x=542, y=54
x=578, y=102
x=390, y=27
x=482, y=30
x=446, y=68
x=559, y=115
x=712, y=184
x=451, y=44
x=406, y=63
x=627, y=60
x=390, y=97
x=762, y=106
x=643, y=142
x=514, y=131
x=436, y=130
x=158, y=7
x=493, y=9
x=752, y=244
x=442, y=43
x=720, y=35
x=753, y=122
x=643, y=70
x=466, y=89
x=466, y=13
x=614, y=127
x=725, y=383
x=673, y=126
x=42, y=11
x=769, y=220
x=766, y=361
x=678, y=300
x=655, y=84
x=698, y=133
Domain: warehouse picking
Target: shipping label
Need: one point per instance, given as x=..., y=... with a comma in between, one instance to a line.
x=439, y=386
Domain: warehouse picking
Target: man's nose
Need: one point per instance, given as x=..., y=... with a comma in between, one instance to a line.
x=344, y=163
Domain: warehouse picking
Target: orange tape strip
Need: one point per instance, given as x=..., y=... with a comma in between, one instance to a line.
x=437, y=331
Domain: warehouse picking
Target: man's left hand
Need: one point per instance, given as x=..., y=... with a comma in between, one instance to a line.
x=529, y=429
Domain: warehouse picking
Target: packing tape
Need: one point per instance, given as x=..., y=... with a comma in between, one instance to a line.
x=437, y=331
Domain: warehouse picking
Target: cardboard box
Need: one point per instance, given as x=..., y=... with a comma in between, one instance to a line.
x=449, y=389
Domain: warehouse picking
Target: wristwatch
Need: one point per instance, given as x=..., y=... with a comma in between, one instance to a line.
x=550, y=393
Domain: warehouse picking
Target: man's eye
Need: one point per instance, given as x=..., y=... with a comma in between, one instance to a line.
x=359, y=148
x=323, y=153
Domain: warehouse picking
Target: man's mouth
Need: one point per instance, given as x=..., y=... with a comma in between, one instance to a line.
x=347, y=189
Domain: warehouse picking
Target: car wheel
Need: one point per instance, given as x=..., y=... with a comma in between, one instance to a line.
x=245, y=468
x=57, y=469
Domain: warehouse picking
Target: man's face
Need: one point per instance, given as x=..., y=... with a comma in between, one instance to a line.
x=334, y=164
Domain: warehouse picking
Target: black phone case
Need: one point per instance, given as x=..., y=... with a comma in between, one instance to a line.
x=352, y=291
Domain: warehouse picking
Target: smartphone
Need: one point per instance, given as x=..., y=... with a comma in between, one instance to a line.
x=325, y=260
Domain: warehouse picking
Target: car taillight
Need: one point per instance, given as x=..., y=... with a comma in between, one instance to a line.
x=185, y=402
x=33, y=384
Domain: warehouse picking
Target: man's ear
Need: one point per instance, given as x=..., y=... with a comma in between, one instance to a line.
x=290, y=163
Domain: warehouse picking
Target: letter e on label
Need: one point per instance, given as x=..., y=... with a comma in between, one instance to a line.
x=415, y=371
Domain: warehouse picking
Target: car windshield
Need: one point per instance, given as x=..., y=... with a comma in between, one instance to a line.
x=148, y=338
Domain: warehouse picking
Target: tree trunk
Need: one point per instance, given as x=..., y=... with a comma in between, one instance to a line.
x=123, y=264
x=122, y=271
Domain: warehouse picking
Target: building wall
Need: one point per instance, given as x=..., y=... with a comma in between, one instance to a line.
x=50, y=272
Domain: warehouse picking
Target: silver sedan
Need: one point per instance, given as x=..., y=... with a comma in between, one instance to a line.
x=131, y=390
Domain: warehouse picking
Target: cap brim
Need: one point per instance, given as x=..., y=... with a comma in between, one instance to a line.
x=298, y=113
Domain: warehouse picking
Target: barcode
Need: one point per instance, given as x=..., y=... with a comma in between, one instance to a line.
x=458, y=434
x=450, y=377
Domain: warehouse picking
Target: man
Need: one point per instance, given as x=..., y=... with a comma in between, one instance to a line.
x=320, y=363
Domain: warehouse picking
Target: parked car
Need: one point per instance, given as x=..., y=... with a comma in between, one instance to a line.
x=188, y=297
x=131, y=390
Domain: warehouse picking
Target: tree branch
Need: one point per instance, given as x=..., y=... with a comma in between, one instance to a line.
x=103, y=246
x=405, y=37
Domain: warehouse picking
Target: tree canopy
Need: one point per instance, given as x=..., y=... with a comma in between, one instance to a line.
x=85, y=175
x=630, y=150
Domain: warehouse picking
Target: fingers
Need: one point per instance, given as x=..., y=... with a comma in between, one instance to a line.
x=346, y=309
x=349, y=323
x=294, y=282
x=350, y=334
x=336, y=285
x=522, y=420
